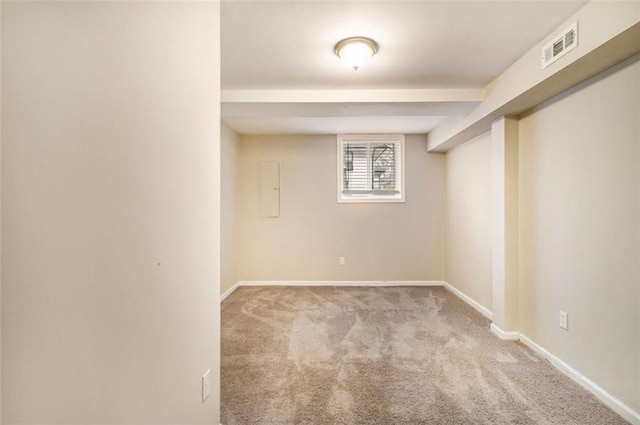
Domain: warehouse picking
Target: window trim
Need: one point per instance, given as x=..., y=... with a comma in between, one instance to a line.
x=370, y=197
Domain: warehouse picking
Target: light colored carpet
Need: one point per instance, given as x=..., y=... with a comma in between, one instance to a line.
x=402, y=355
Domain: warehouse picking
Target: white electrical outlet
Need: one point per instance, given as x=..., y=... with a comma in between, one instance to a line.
x=341, y=261
x=206, y=384
x=564, y=320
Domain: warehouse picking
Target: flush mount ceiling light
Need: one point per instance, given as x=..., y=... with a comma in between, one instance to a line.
x=355, y=50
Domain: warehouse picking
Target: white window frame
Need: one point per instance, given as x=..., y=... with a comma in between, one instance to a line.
x=397, y=139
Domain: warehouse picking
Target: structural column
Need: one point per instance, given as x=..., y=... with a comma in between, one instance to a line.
x=504, y=182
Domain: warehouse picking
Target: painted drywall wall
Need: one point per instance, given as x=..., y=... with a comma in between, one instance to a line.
x=0, y=215
x=228, y=241
x=110, y=207
x=580, y=227
x=504, y=224
x=401, y=241
x=468, y=224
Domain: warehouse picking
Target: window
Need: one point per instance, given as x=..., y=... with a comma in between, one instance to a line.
x=370, y=168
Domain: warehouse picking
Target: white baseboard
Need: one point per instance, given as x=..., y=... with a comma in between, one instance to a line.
x=229, y=291
x=613, y=403
x=473, y=303
x=509, y=336
x=380, y=283
x=341, y=283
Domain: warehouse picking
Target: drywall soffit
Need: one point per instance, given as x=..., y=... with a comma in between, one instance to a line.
x=609, y=53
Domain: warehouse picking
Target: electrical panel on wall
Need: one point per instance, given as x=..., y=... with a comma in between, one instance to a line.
x=269, y=175
x=561, y=44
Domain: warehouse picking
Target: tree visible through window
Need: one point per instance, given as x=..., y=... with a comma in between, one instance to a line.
x=370, y=168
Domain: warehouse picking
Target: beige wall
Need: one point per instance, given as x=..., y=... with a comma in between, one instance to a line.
x=379, y=241
x=228, y=241
x=0, y=217
x=468, y=222
x=110, y=209
x=580, y=229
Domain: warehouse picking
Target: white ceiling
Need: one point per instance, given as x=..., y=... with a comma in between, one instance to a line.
x=423, y=45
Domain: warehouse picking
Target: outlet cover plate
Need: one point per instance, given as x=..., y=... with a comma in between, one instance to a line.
x=564, y=320
x=206, y=384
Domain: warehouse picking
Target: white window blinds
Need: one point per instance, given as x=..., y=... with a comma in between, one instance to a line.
x=370, y=168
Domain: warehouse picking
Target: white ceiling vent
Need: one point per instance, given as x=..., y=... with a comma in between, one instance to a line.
x=561, y=44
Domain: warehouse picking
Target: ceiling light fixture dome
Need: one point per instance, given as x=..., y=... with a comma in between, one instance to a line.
x=356, y=50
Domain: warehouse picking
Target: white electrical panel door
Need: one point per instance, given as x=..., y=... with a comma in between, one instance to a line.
x=269, y=172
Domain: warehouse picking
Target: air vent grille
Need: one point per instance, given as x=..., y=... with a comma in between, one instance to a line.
x=570, y=38
x=560, y=45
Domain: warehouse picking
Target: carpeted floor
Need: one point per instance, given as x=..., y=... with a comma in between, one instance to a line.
x=398, y=355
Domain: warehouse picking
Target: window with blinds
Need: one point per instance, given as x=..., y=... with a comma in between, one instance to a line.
x=370, y=168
